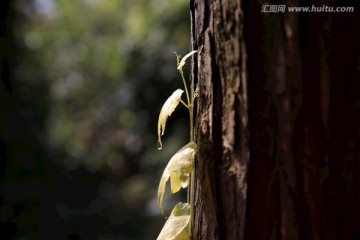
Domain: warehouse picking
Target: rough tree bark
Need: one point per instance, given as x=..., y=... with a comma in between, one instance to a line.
x=222, y=127
x=278, y=122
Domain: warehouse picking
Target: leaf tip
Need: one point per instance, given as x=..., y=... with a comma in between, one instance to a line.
x=159, y=145
x=183, y=60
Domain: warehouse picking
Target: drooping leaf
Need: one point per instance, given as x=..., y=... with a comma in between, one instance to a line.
x=183, y=60
x=175, y=183
x=178, y=170
x=177, y=225
x=166, y=110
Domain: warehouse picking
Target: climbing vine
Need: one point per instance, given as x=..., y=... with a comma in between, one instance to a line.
x=180, y=168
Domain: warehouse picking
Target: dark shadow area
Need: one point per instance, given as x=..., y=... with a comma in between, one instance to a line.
x=81, y=86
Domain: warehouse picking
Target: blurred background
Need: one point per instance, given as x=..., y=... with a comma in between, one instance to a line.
x=79, y=105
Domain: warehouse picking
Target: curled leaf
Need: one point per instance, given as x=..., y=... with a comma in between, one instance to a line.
x=166, y=110
x=177, y=225
x=183, y=60
x=178, y=170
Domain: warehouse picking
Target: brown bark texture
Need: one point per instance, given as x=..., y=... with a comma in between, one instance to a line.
x=277, y=122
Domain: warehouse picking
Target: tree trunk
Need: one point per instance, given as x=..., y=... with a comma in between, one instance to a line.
x=278, y=122
x=222, y=123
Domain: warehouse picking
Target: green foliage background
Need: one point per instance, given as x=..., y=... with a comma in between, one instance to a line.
x=90, y=77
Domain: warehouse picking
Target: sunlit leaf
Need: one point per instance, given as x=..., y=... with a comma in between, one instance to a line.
x=183, y=60
x=178, y=170
x=177, y=225
x=166, y=110
x=175, y=183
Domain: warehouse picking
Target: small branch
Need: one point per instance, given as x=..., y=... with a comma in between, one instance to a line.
x=187, y=106
x=185, y=86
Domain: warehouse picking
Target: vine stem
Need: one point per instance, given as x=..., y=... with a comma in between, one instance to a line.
x=187, y=94
x=189, y=106
x=192, y=175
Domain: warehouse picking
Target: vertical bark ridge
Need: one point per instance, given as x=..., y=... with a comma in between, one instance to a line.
x=222, y=119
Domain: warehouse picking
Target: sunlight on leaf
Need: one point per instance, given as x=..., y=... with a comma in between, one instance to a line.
x=175, y=184
x=183, y=60
x=178, y=170
x=177, y=225
x=166, y=110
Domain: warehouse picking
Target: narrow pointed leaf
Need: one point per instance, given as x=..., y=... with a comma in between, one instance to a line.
x=183, y=60
x=166, y=110
x=178, y=170
x=176, y=227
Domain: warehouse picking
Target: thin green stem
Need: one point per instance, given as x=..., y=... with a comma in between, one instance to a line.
x=187, y=106
x=192, y=194
x=185, y=86
x=192, y=177
x=191, y=123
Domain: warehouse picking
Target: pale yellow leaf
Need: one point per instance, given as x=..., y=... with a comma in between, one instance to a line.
x=166, y=111
x=178, y=170
x=176, y=226
x=175, y=183
x=183, y=60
